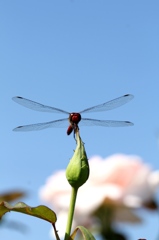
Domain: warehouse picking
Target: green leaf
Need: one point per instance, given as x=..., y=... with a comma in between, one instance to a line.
x=41, y=211
x=85, y=233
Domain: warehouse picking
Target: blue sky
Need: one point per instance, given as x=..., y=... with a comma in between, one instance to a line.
x=73, y=55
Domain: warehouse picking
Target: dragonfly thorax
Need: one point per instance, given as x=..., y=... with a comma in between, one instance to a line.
x=74, y=119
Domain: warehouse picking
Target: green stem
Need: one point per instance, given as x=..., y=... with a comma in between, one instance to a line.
x=71, y=213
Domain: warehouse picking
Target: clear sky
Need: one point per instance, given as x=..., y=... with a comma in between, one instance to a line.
x=73, y=55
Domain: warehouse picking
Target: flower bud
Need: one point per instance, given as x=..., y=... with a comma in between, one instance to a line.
x=77, y=171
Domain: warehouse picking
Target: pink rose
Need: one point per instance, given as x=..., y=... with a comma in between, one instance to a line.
x=120, y=181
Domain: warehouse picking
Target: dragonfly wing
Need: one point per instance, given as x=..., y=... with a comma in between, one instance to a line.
x=110, y=105
x=104, y=123
x=41, y=126
x=36, y=106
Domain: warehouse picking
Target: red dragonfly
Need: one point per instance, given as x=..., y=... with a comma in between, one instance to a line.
x=73, y=118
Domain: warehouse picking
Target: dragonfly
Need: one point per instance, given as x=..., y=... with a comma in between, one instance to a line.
x=73, y=118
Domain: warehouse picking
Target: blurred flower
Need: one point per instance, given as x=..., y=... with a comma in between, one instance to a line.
x=116, y=186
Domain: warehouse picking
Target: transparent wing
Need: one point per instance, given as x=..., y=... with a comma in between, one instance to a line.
x=37, y=106
x=110, y=105
x=104, y=123
x=41, y=126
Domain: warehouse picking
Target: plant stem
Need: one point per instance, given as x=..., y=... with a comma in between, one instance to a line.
x=71, y=212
